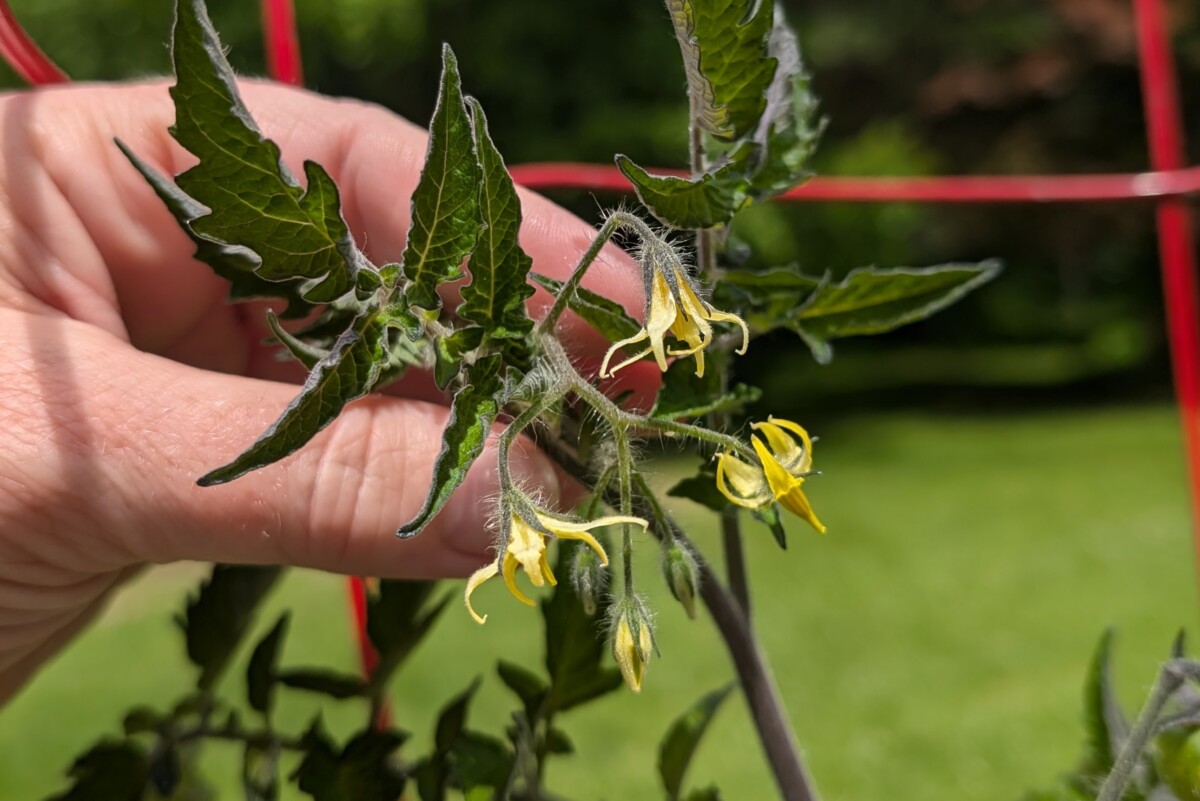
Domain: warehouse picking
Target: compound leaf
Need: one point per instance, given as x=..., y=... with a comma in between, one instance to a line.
x=703, y=202
x=606, y=316
x=472, y=413
x=363, y=770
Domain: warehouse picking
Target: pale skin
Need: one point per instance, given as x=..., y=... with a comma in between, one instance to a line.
x=125, y=375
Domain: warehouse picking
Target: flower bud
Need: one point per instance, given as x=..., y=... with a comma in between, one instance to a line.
x=589, y=579
x=632, y=641
x=682, y=576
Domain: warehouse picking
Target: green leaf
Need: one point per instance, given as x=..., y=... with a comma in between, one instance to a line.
x=682, y=394
x=399, y=616
x=109, y=771
x=449, y=352
x=218, y=617
x=260, y=773
x=574, y=645
x=164, y=771
x=1107, y=726
x=704, y=202
x=724, y=47
x=527, y=686
x=141, y=720
x=349, y=372
x=606, y=316
x=362, y=771
x=445, y=204
x=790, y=128
x=453, y=718
x=873, y=301
x=254, y=203
x=301, y=351
x=679, y=745
x=480, y=761
x=260, y=673
x=495, y=298
x=472, y=413
x=707, y=794
x=557, y=742
x=324, y=682
x=765, y=300
x=702, y=489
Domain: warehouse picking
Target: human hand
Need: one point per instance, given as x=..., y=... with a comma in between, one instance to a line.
x=126, y=375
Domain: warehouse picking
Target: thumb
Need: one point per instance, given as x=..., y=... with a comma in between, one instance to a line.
x=116, y=439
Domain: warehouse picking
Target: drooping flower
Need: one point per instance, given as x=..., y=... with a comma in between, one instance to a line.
x=673, y=306
x=632, y=653
x=524, y=538
x=784, y=462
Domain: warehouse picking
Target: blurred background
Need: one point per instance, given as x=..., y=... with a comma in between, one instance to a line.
x=1001, y=482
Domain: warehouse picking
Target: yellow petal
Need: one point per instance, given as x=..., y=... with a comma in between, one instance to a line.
x=778, y=478
x=478, y=577
x=616, y=346
x=726, y=317
x=661, y=317
x=796, y=459
x=631, y=658
x=547, y=572
x=796, y=502
x=749, y=485
x=510, y=580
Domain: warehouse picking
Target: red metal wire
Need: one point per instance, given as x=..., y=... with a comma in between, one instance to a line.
x=958, y=189
x=1177, y=243
x=34, y=66
x=282, y=42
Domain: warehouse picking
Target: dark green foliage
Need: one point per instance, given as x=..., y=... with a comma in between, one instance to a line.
x=701, y=488
x=339, y=686
x=471, y=415
x=399, y=616
x=109, y=771
x=702, y=202
x=1104, y=719
x=260, y=673
x=260, y=773
x=218, y=617
x=445, y=204
x=347, y=373
x=460, y=757
x=363, y=770
x=606, y=316
x=679, y=744
x=765, y=300
x=684, y=395
x=529, y=687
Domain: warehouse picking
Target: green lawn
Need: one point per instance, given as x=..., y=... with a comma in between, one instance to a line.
x=931, y=646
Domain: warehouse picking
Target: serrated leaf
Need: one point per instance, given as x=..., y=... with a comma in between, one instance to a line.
x=260, y=673
x=789, y=129
x=702, y=489
x=574, y=645
x=108, y=771
x=874, y=301
x=260, y=773
x=703, y=202
x=253, y=201
x=679, y=745
x=449, y=352
x=682, y=394
x=362, y=771
x=1107, y=726
x=445, y=204
x=724, y=47
x=218, y=617
x=472, y=413
x=495, y=297
x=349, y=372
x=336, y=685
x=765, y=300
x=308, y=355
x=606, y=316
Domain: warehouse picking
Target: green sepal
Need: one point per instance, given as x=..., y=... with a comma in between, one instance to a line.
x=606, y=316
x=364, y=770
x=703, y=202
x=682, y=394
x=347, y=373
x=253, y=201
x=790, y=128
x=449, y=351
x=260, y=673
x=574, y=646
x=874, y=301
x=773, y=520
x=679, y=744
x=724, y=47
x=445, y=204
x=495, y=297
x=219, y=615
x=472, y=413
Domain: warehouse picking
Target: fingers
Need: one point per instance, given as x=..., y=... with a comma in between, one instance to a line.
x=374, y=156
x=110, y=441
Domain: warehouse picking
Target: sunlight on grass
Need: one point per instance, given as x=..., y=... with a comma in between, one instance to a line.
x=932, y=645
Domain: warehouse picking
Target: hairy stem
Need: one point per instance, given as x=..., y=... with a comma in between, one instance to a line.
x=750, y=663
x=1170, y=678
x=674, y=427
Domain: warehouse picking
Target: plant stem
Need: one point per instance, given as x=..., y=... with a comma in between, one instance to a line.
x=1170, y=678
x=709, y=435
x=754, y=674
x=735, y=558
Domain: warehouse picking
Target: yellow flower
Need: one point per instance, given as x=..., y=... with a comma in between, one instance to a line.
x=673, y=306
x=783, y=465
x=632, y=656
x=525, y=548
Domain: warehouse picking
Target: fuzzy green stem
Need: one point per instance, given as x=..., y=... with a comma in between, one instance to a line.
x=625, y=479
x=514, y=429
x=616, y=219
x=700, y=433
x=663, y=531
x=1170, y=679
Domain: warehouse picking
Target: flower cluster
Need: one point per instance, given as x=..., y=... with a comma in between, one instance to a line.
x=784, y=452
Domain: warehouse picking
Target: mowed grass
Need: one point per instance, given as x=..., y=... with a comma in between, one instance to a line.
x=931, y=646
